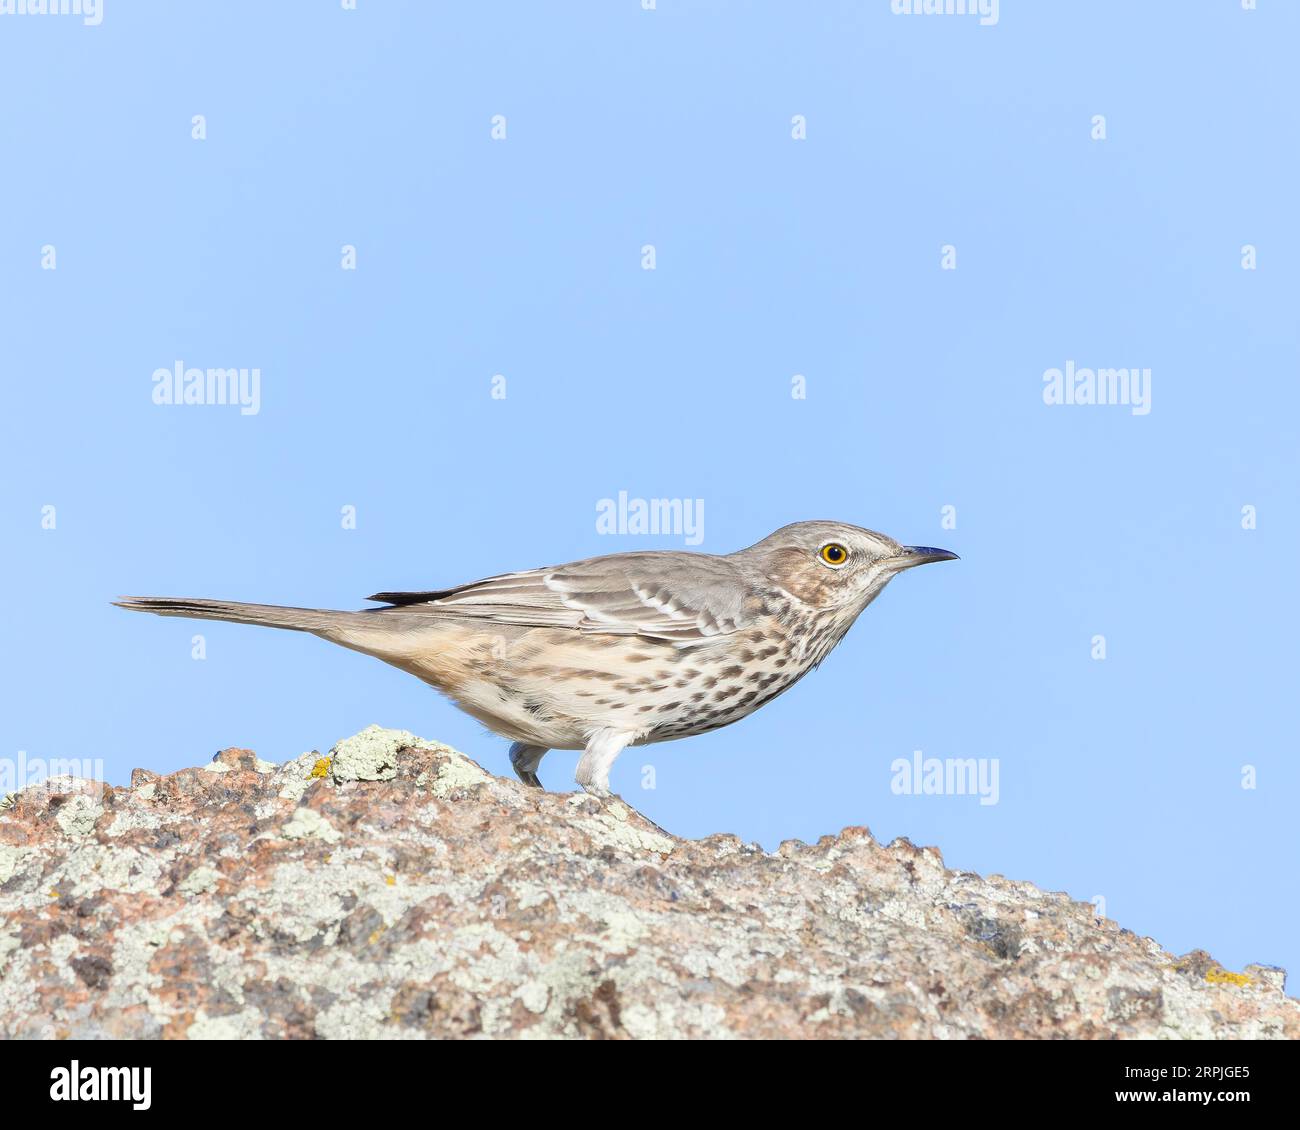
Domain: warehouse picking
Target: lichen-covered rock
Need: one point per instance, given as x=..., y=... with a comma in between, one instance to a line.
x=395, y=889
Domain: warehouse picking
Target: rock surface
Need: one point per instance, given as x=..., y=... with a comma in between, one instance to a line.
x=395, y=889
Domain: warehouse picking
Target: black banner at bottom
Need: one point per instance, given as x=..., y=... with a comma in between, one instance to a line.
x=306, y=1078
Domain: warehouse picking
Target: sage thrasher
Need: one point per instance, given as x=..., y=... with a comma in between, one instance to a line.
x=613, y=651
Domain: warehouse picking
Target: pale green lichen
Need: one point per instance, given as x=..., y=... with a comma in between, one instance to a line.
x=10, y=857
x=246, y=1025
x=370, y=755
x=199, y=880
x=77, y=816
x=457, y=772
x=308, y=824
x=534, y=996
x=131, y=869
x=294, y=777
x=612, y=826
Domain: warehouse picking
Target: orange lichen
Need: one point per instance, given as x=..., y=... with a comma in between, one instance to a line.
x=1218, y=976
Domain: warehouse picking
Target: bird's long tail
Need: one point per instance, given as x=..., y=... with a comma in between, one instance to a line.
x=319, y=621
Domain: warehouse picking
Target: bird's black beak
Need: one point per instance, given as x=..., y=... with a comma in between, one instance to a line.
x=913, y=555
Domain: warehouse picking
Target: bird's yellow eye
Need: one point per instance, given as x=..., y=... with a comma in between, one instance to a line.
x=834, y=553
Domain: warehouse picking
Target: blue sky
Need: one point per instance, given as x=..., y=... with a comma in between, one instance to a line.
x=1118, y=777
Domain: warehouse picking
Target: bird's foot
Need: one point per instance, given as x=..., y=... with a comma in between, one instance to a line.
x=598, y=758
x=525, y=759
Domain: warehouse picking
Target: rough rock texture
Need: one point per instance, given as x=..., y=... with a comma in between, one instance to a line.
x=395, y=889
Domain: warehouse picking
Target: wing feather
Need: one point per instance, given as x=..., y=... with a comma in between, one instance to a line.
x=677, y=597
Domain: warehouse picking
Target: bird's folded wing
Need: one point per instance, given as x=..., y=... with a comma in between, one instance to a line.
x=678, y=597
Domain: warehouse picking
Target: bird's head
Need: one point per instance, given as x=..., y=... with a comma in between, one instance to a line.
x=833, y=565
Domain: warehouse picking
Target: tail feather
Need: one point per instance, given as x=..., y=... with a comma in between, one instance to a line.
x=317, y=620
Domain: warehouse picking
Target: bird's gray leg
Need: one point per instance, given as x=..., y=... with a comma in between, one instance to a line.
x=526, y=758
x=598, y=758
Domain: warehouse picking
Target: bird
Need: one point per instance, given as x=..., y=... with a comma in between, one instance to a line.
x=620, y=650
